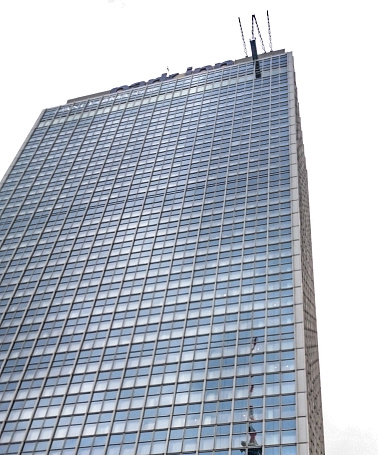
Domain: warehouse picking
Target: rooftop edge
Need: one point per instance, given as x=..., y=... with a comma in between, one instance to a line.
x=174, y=76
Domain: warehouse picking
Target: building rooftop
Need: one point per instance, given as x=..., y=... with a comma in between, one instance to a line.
x=164, y=76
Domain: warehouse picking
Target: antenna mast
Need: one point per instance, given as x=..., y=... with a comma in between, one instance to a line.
x=242, y=34
x=270, y=36
x=257, y=26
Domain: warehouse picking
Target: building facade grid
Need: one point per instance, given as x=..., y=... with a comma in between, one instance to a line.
x=150, y=298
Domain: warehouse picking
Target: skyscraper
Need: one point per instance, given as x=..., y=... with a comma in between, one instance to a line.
x=157, y=291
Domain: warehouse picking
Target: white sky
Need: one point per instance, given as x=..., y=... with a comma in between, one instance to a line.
x=54, y=50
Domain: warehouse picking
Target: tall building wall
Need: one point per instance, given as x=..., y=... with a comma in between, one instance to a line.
x=157, y=293
x=313, y=389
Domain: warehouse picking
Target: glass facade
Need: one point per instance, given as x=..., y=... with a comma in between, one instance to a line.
x=156, y=290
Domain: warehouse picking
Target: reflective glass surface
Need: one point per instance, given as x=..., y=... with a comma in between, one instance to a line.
x=146, y=263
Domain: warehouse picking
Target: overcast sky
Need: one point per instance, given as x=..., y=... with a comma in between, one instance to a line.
x=55, y=50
